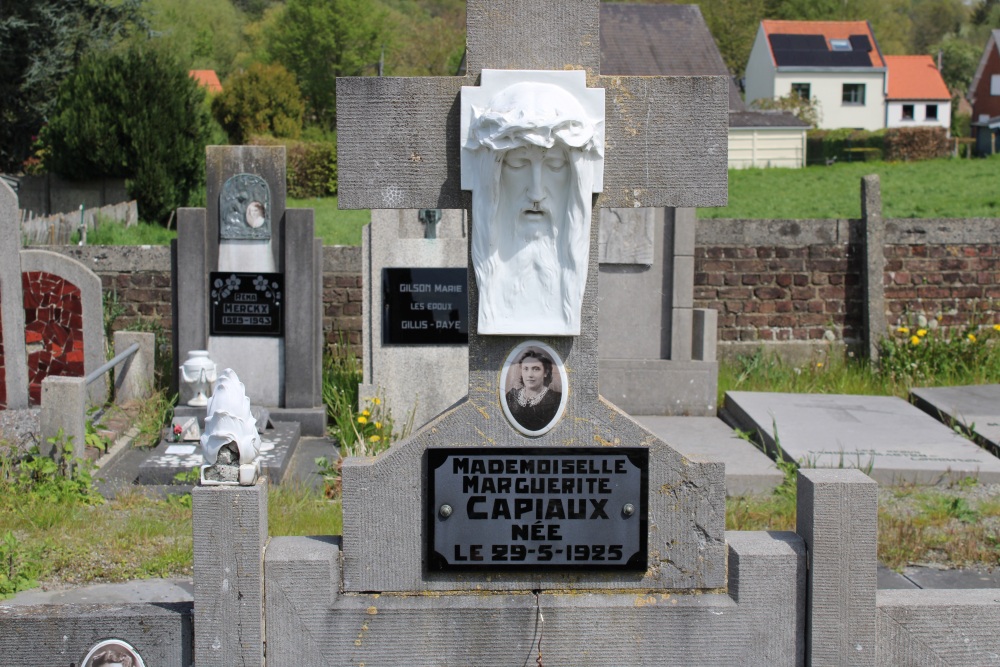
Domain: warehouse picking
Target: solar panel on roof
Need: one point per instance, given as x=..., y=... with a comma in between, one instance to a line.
x=797, y=42
x=796, y=58
x=861, y=43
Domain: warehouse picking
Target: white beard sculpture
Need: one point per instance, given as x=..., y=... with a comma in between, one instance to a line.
x=532, y=154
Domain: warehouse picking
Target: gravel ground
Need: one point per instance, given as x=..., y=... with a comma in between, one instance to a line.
x=19, y=431
x=954, y=525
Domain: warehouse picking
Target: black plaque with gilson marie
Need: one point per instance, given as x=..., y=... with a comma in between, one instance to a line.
x=246, y=304
x=425, y=307
x=537, y=508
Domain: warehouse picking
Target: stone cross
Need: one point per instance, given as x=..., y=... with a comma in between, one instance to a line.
x=399, y=146
x=665, y=137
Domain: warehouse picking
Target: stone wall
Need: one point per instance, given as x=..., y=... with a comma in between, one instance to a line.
x=800, y=281
x=139, y=278
x=792, y=284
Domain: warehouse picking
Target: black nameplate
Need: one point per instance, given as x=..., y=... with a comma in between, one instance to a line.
x=425, y=307
x=246, y=304
x=537, y=508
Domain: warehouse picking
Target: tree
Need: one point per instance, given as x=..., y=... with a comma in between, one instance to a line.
x=733, y=24
x=933, y=19
x=137, y=115
x=802, y=108
x=319, y=40
x=200, y=34
x=40, y=44
x=265, y=99
x=959, y=59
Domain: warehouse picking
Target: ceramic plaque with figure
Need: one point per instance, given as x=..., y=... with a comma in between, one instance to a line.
x=533, y=156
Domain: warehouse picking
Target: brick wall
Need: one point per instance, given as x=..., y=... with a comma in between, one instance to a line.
x=773, y=282
x=801, y=280
x=140, y=279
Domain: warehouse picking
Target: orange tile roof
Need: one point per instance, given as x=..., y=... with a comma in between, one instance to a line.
x=915, y=78
x=207, y=78
x=829, y=30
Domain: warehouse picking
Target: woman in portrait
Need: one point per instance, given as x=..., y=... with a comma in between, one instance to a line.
x=532, y=403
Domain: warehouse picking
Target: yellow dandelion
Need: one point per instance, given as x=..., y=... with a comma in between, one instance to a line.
x=915, y=340
x=819, y=364
x=972, y=338
x=374, y=438
x=996, y=327
x=377, y=401
x=362, y=419
x=378, y=424
x=903, y=330
x=366, y=413
x=921, y=332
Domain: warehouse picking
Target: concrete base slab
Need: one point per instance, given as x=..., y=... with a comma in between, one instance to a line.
x=161, y=633
x=170, y=458
x=177, y=589
x=889, y=439
x=660, y=386
x=748, y=470
x=976, y=408
x=939, y=627
x=886, y=579
x=930, y=577
x=759, y=621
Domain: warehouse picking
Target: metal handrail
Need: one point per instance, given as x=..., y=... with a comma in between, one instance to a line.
x=129, y=351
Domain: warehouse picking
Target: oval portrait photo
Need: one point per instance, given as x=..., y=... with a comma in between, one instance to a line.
x=113, y=653
x=533, y=388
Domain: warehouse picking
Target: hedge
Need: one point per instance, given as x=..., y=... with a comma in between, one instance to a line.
x=311, y=165
x=898, y=144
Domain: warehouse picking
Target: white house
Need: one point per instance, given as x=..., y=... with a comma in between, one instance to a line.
x=918, y=96
x=838, y=63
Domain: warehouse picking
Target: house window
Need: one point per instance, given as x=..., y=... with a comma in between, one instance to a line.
x=801, y=89
x=840, y=45
x=995, y=85
x=931, y=112
x=854, y=94
x=907, y=112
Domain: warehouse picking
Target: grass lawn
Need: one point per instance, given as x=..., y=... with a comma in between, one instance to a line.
x=944, y=188
x=334, y=226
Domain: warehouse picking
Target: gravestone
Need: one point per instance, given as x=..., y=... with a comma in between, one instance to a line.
x=247, y=285
x=415, y=311
x=657, y=351
x=974, y=408
x=408, y=156
x=13, y=359
x=885, y=436
x=50, y=316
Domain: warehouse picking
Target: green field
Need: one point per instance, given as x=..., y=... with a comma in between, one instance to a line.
x=944, y=188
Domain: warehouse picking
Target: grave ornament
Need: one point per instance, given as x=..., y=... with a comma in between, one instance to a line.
x=230, y=444
x=533, y=155
x=198, y=372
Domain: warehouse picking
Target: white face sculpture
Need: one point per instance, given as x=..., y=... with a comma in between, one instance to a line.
x=533, y=159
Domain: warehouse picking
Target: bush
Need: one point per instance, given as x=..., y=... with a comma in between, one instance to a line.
x=137, y=115
x=916, y=143
x=264, y=99
x=844, y=145
x=312, y=166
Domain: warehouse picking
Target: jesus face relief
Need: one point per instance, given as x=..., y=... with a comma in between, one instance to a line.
x=533, y=151
x=533, y=189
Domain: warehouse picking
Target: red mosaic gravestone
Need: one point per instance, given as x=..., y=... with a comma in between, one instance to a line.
x=53, y=329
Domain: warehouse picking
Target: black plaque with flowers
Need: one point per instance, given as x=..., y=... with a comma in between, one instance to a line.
x=246, y=304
